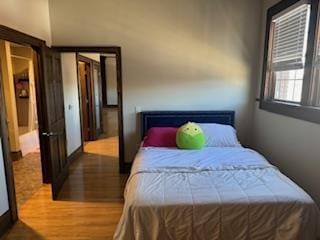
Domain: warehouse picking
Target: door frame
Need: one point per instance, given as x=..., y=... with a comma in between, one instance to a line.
x=39, y=46
x=103, y=83
x=123, y=166
x=80, y=58
x=93, y=134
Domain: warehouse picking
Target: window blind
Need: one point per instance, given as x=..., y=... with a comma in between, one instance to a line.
x=290, y=32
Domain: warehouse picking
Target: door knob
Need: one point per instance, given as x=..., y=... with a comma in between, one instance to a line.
x=49, y=134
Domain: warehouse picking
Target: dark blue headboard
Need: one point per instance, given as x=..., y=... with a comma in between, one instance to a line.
x=177, y=118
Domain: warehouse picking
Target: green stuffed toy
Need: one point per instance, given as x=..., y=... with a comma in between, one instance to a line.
x=190, y=136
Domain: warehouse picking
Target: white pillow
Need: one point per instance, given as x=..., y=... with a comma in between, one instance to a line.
x=219, y=135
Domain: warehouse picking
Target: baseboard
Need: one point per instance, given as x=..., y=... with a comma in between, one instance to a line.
x=75, y=155
x=15, y=156
x=5, y=223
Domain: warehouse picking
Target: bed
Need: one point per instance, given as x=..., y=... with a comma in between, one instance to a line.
x=213, y=193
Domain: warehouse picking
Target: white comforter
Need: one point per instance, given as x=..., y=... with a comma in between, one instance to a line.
x=214, y=193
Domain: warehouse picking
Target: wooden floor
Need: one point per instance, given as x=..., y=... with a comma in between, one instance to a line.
x=89, y=206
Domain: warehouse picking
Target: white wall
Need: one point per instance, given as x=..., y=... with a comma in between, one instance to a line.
x=71, y=101
x=31, y=17
x=4, y=203
x=290, y=144
x=111, y=69
x=176, y=54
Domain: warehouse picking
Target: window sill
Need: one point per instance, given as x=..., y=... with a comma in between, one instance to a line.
x=306, y=113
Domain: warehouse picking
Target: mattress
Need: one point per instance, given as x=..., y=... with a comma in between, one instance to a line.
x=213, y=193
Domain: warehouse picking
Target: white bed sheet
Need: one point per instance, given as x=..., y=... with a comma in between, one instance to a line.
x=213, y=193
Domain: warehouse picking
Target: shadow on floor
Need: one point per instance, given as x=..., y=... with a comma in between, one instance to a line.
x=94, y=178
x=90, y=203
x=28, y=232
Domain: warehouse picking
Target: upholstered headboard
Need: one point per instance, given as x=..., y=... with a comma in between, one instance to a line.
x=177, y=118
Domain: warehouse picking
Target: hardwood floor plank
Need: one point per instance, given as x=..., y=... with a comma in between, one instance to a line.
x=90, y=203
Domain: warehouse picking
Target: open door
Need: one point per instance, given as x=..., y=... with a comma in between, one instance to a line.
x=55, y=134
x=84, y=80
x=89, y=74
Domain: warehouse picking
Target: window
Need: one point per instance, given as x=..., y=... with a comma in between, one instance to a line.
x=288, y=45
x=291, y=71
x=288, y=85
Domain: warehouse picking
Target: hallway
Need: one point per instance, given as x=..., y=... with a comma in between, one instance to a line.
x=90, y=203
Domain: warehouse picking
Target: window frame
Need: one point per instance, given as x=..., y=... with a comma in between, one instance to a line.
x=303, y=110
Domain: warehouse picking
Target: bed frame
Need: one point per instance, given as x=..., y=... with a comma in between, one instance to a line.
x=151, y=119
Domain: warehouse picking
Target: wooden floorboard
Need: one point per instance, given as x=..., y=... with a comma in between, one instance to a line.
x=89, y=205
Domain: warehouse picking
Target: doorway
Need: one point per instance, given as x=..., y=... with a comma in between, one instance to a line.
x=109, y=93
x=105, y=123
x=20, y=104
x=89, y=80
x=98, y=73
x=85, y=85
x=31, y=118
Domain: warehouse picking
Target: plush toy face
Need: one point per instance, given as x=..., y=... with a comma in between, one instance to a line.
x=190, y=136
x=191, y=129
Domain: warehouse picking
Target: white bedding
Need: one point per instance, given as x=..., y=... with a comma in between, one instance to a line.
x=213, y=193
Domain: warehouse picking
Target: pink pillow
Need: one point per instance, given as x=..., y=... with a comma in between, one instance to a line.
x=161, y=137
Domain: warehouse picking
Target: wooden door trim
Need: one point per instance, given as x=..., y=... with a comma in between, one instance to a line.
x=92, y=120
x=7, y=162
x=38, y=46
x=5, y=222
x=86, y=59
x=123, y=166
x=103, y=80
x=80, y=100
x=15, y=36
x=91, y=117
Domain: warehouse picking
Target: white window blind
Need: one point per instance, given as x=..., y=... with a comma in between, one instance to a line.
x=290, y=33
